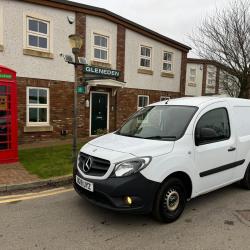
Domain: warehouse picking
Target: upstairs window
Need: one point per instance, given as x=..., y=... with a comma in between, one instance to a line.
x=145, y=57
x=192, y=75
x=101, y=48
x=167, y=61
x=143, y=100
x=38, y=34
x=37, y=106
x=211, y=77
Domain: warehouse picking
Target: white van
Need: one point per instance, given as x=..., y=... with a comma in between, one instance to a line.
x=166, y=154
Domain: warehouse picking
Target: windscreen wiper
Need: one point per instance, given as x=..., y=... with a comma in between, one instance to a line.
x=159, y=137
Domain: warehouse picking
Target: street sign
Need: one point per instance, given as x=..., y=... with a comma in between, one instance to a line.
x=80, y=89
x=101, y=71
x=5, y=76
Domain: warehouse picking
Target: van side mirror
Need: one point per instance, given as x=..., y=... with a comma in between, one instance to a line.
x=205, y=134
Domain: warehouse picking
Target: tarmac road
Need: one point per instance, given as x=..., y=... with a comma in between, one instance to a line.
x=60, y=219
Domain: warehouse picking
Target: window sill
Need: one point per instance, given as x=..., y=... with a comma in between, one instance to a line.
x=31, y=52
x=1, y=48
x=145, y=71
x=100, y=64
x=165, y=74
x=30, y=129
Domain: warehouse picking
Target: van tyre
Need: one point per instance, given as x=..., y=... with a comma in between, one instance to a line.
x=245, y=182
x=170, y=201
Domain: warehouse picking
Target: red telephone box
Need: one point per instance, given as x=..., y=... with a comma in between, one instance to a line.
x=8, y=116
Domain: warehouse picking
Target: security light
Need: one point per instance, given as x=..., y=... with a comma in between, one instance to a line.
x=68, y=58
x=82, y=60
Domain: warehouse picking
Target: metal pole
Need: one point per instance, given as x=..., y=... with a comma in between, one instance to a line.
x=74, y=145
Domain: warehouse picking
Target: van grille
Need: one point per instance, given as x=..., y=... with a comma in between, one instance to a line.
x=98, y=166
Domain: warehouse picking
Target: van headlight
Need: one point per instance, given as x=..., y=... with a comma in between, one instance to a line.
x=131, y=166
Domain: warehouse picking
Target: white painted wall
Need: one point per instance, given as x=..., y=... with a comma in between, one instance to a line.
x=155, y=81
x=103, y=27
x=13, y=32
x=194, y=89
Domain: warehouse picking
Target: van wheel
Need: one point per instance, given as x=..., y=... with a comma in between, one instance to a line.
x=170, y=201
x=245, y=182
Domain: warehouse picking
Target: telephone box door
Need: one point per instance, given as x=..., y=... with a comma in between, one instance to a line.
x=8, y=116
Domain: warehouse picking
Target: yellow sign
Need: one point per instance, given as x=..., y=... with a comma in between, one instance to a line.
x=3, y=103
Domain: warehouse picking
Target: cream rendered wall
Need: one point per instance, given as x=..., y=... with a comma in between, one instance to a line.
x=155, y=81
x=13, y=32
x=194, y=89
x=103, y=27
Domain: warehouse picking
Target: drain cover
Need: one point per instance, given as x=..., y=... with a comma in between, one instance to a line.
x=244, y=216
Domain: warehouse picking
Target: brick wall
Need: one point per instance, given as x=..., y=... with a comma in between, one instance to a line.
x=127, y=101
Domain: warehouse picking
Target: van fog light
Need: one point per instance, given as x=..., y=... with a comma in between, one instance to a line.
x=128, y=200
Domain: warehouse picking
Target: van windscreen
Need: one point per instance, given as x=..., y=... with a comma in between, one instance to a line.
x=165, y=122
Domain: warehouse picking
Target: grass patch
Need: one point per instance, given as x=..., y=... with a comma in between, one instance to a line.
x=48, y=161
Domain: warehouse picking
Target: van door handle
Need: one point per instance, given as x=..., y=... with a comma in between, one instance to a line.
x=231, y=149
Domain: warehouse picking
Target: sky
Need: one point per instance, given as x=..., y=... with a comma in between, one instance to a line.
x=176, y=19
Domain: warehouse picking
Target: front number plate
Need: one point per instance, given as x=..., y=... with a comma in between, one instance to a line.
x=85, y=184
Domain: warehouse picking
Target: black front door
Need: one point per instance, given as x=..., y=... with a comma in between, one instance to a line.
x=99, y=113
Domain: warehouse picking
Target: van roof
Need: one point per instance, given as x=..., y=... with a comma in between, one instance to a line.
x=199, y=101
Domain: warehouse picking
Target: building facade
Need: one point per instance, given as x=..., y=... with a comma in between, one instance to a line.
x=206, y=77
x=32, y=39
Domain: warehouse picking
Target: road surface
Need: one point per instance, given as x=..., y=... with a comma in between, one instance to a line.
x=60, y=219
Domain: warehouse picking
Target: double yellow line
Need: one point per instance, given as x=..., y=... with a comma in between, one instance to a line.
x=33, y=195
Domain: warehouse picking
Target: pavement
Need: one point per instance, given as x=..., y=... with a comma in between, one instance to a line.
x=60, y=219
x=15, y=174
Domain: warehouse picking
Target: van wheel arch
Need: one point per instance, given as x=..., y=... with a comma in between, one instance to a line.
x=185, y=178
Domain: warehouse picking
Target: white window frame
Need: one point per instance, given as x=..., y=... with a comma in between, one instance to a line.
x=33, y=105
x=168, y=62
x=107, y=49
x=192, y=75
x=145, y=57
x=138, y=101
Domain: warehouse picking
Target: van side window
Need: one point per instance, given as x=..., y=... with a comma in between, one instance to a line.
x=212, y=127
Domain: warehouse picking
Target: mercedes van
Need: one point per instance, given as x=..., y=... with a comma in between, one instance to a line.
x=167, y=153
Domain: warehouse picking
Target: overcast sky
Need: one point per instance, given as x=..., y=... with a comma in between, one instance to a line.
x=172, y=18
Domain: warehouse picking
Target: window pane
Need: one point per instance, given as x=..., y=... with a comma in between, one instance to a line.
x=43, y=42
x=97, y=53
x=104, y=54
x=167, y=66
x=216, y=121
x=42, y=96
x=104, y=42
x=42, y=115
x=33, y=96
x=145, y=101
x=97, y=40
x=148, y=52
x=43, y=27
x=169, y=57
x=33, y=40
x=33, y=114
x=145, y=62
x=143, y=51
x=33, y=25
x=140, y=101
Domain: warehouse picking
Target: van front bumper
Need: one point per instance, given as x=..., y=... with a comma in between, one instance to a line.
x=111, y=192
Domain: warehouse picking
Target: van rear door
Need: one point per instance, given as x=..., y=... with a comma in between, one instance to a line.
x=215, y=146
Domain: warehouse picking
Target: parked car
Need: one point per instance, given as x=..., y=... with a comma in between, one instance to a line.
x=167, y=153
